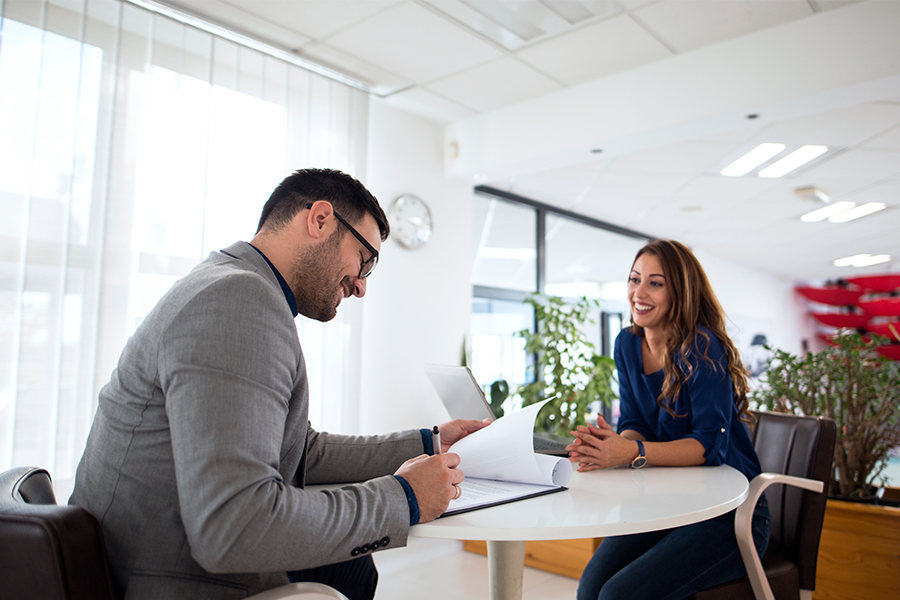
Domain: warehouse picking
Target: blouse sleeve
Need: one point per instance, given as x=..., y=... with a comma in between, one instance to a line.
x=709, y=392
x=627, y=366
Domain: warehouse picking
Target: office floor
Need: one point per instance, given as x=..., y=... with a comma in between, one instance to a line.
x=441, y=570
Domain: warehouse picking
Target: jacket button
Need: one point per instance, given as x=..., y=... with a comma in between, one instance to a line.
x=385, y=541
x=375, y=545
x=355, y=552
x=365, y=548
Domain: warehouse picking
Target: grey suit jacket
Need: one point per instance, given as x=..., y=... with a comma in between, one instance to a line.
x=200, y=449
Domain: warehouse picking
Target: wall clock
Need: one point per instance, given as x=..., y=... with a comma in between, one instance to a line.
x=410, y=220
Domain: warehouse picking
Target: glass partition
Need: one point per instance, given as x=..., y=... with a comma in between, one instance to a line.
x=504, y=236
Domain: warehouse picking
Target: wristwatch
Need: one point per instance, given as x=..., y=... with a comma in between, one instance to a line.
x=641, y=459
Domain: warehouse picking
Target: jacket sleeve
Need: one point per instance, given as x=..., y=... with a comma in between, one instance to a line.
x=229, y=364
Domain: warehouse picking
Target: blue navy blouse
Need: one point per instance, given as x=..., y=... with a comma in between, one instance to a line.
x=705, y=403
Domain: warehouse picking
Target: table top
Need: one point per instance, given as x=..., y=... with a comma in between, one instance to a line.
x=601, y=503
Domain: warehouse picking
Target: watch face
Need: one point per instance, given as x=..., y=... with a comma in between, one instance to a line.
x=639, y=462
x=410, y=221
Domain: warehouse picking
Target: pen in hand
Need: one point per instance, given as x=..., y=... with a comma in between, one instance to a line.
x=436, y=439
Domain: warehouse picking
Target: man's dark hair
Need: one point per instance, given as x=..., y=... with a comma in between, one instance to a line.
x=347, y=196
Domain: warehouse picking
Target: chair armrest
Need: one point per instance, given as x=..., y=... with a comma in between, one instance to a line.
x=743, y=526
x=300, y=591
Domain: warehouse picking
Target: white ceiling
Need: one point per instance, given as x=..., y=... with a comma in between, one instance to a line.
x=663, y=88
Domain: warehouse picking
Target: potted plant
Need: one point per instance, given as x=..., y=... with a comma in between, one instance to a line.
x=853, y=384
x=567, y=367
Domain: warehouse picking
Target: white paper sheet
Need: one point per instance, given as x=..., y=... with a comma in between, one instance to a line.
x=500, y=464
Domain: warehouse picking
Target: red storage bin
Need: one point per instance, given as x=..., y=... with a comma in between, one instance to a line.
x=881, y=307
x=877, y=283
x=891, y=351
x=841, y=319
x=885, y=329
x=835, y=296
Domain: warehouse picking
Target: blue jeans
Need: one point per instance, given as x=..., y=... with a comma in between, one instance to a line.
x=670, y=564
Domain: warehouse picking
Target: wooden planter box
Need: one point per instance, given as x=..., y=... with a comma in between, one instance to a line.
x=859, y=554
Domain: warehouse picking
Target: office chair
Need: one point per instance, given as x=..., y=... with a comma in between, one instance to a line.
x=794, y=452
x=52, y=552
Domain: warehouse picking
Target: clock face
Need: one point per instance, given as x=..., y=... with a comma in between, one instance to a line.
x=410, y=221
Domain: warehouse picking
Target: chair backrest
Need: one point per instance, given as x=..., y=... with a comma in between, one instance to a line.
x=48, y=552
x=802, y=447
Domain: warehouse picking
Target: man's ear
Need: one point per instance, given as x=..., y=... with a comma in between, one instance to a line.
x=318, y=222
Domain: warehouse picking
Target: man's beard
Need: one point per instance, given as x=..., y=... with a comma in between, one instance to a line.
x=315, y=279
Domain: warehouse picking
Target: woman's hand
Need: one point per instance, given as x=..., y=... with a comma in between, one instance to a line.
x=600, y=447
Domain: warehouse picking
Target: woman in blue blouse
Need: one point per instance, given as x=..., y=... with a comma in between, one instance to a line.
x=683, y=401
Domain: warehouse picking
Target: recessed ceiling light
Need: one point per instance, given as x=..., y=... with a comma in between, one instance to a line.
x=795, y=159
x=859, y=211
x=752, y=159
x=820, y=214
x=862, y=260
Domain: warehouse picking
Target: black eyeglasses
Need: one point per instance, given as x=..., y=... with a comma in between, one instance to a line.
x=367, y=267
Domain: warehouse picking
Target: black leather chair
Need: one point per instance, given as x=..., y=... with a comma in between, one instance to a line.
x=51, y=552
x=48, y=551
x=796, y=455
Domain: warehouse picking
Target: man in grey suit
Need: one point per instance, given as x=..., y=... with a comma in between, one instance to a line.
x=200, y=448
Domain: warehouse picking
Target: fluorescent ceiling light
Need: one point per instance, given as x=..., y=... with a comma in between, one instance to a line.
x=795, y=159
x=508, y=253
x=859, y=211
x=820, y=214
x=752, y=159
x=862, y=260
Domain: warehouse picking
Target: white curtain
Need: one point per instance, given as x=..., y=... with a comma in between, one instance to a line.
x=131, y=145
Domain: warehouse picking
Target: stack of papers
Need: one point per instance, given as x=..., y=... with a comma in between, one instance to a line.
x=501, y=466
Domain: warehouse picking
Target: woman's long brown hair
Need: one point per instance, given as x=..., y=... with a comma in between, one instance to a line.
x=692, y=304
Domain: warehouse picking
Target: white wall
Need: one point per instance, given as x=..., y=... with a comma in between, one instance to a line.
x=757, y=302
x=417, y=305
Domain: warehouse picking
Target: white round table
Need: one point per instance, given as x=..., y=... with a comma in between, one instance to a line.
x=597, y=504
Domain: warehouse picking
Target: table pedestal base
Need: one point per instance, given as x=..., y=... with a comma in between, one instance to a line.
x=506, y=561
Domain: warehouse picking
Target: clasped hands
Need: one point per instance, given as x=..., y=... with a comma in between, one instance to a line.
x=434, y=478
x=600, y=447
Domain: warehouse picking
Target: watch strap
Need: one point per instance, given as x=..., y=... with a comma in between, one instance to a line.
x=641, y=459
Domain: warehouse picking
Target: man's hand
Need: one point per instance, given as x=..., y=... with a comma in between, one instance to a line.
x=432, y=479
x=454, y=431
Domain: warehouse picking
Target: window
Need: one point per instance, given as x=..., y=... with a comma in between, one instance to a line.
x=523, y=246
x=131, y=145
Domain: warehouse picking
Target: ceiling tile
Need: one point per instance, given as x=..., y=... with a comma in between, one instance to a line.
x=420, y=101
x=561, y=187
x=628, y=185
x=685, y=26
x=318, y=19
x=493, y=85
x=243, y=19
x=721, y=188
x=889, y=140
x=382, y=82
x=594, y=51
x=690, y=157
x=836, y=129
x=859, y=165
x=415, y=43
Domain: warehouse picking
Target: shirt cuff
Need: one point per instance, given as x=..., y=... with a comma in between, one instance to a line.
x=426, y=441
x=411, y=499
